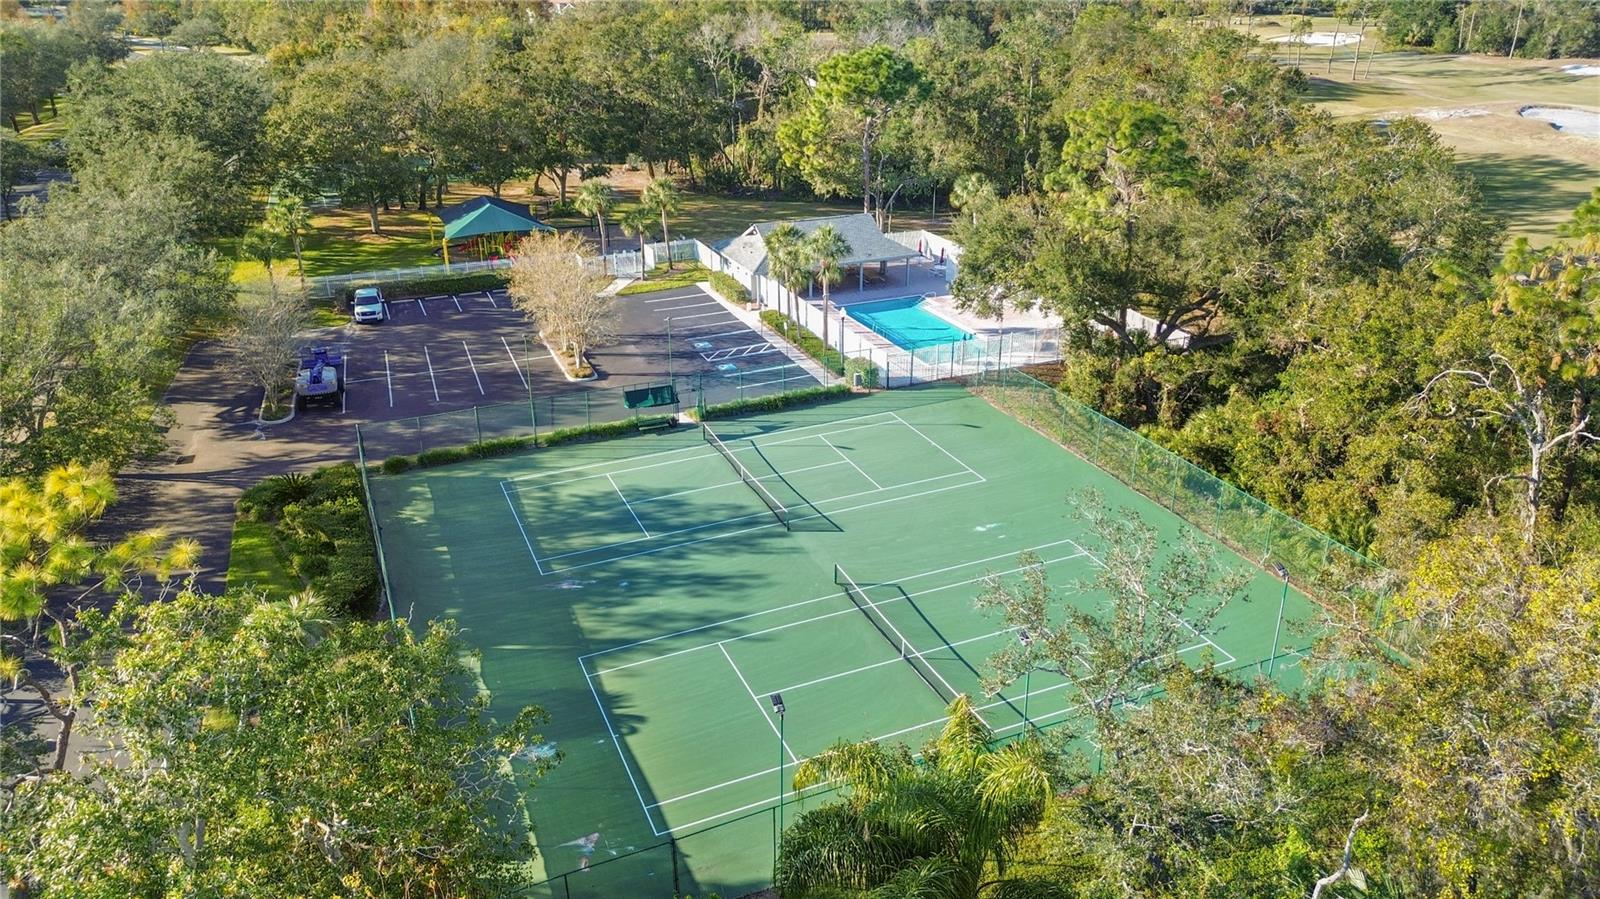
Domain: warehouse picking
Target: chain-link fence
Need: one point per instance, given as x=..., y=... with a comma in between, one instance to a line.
x=329, y=287
x=1249, y=526
x=542, y=414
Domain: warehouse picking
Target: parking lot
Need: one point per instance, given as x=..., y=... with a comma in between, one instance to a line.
x=708, y=344
x=455, y=351
x=444, y=352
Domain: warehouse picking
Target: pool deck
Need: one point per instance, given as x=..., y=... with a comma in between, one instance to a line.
x=927, y=279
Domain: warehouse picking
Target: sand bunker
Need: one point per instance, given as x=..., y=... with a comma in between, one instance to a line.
x=1439, y=115
x=1319, y=39
x=1580, y=122
x=1581, y=69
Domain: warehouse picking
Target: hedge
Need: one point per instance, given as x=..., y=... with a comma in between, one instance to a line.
x=422, y=287
x=729, y=287
x=834, y=361
x=775, y=402
x=320, y=533
x=501, y=446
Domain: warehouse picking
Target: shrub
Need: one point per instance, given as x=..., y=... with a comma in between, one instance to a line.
x=397, y=464
x=320, y=533
x=273, y=494
x=729, y=287
x=498, y=446
x=443, y=455
x=602, y=431
x=775, y=402
x=830, y=358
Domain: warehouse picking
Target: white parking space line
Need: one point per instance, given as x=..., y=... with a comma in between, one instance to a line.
x=514, y=363
x=491, y=300
x=388, y=380
x=677, y=296
x=422, y=307
x=716, y=324
x=474, y=367
x=431, y=378
x=689, y=306
x=742, y=332
x=457, y=301
x=701, y=315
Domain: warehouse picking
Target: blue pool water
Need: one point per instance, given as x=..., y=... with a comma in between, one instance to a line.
x=907, y=324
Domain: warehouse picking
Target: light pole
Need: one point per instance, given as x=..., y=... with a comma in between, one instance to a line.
x=1026, y=639
x=1272, y=661
x=777, y=834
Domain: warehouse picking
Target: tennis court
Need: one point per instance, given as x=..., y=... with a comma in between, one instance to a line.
x=652, y=592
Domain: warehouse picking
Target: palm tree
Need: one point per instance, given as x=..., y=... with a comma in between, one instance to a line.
x=635, y=222
x=945, y=827
x=970, y=193
x=826, y=247
x=263, y=244
x=661, y=196
x=289, y=217
x=595, y=199
x=787, y=263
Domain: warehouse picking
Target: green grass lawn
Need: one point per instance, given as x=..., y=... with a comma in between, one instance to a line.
x=341, y=240
x=683, y=274
x=50, y=127
x=254, y=560
x=1530, y=174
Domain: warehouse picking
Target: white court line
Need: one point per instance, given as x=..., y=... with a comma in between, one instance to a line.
x=824, y=439
x=848, y=610
x=387, y=379
x=646, y=552
x=1181, y=620
x=920, y=654
x=774, y=769
x=514, y=363
x=757, y=700
x=834, y=595
x=618, y=743
x=526, y=542
x=711, y=524
x=935, y=444
x=735, y=481
x=435, y=381
x=474, y=367
x=700, y=448
x=629, y=506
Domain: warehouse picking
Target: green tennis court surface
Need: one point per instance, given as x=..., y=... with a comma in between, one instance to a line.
x=652, y=592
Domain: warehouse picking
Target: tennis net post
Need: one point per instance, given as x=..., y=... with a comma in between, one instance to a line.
x=779, y=511
x=908, y=653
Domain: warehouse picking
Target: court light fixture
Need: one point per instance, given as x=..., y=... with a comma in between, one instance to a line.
x=1280, y=571
x=1023, y=637
x=777, y=704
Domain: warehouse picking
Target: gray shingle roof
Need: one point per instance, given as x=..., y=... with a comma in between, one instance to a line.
x=867, y=244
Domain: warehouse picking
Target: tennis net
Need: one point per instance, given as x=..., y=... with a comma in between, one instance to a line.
x=750, y=480
x=908, y=653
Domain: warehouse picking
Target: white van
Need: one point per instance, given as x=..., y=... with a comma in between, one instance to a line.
x=367, y=305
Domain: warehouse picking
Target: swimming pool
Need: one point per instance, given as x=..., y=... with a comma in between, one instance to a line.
x=907, y=324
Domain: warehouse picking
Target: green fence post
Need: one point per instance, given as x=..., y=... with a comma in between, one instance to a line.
x=419, y=433
x=533, y=416
x=588, y=412
x=477, y=423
